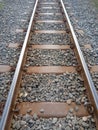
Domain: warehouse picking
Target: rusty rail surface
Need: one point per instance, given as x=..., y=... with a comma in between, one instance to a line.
x=92, y=93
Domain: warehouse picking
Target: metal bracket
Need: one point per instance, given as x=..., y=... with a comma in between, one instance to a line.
x=90, y=108
x=79, y=68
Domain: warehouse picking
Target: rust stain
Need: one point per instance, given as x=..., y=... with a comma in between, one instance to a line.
x=4, y=68
x=63, y=47
x=1, y=107
x=51, y=109
x=50, y=69
x=49, y=31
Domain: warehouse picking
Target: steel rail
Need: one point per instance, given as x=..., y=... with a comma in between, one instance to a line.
x=90, y=85
x=7, y=108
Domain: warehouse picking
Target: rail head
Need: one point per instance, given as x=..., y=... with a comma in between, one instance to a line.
x=90, y=84
x=8, y=104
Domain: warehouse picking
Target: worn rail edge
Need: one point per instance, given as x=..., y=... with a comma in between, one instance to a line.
x=8, y=104
x=89, y=83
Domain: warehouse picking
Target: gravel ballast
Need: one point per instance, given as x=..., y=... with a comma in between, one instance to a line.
x=49, y=26
x=70, y=122
x=91, y=56
x=51, y=57
x=59, y=39
x=9, y=56
x=84, y=18
x=14, y=15
x=52, y=87
x=49, y=17
x=95, y=79
x=5, y=82
x=14, y=19
x=48, y=87
x=50, y=5
x=41, y=10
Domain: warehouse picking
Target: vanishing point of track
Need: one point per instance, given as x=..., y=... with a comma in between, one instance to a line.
x=12, y=107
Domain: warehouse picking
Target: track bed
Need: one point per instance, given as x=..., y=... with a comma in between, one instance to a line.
x=52, y=88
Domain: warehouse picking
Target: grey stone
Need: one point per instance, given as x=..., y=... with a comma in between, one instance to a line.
x=71, y=110
x=42, y=110
x=85, y=125
x=25, y=128
x=69, y=101
x=27, y=117
x=35, y=116
x=54, y=120
x=30, y=121
x=84, y=118
x=29, y=110
x=22, y=123
x=68, y=128
x=76, y=108
x=17, y=125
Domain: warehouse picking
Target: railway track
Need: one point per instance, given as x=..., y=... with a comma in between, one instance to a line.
x=50, y=76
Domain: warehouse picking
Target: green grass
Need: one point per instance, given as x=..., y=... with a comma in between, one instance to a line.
x=1, y=5
x=96, y=3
